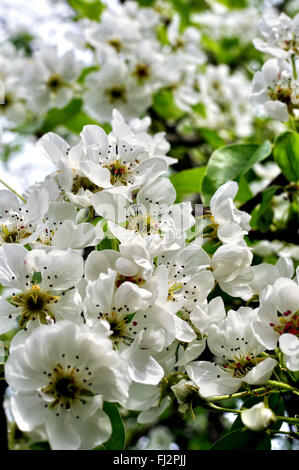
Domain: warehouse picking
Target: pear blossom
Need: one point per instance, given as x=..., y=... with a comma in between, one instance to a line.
x=109, y=307
x=12, y=63
x=61, y=230
x=222, y=22
x=132, y=263
x=48, y=82
x=153, y=400
x=107, y=302
x=275, y=88
x=22, y=223
x=147, y=400
x=231, y=223
x=202, y=317
x=188, y=281
x=114, y=35
x=289, y=344
x=154, y=220
x=31, y=302
x=136, y=132
x=111, y=303
x=146, y=17
x=280, y=35
x=115, y=87
x=224, y=95
x=186, y=45
x=145, y=64
x=238, y=350
x=265, y=274
x=60, y=377
x=231, y=268
x=278, y=320
x=99, y=164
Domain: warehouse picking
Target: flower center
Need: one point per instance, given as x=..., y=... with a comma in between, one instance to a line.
x=143, y=224
x=172, y=289
x=118, y=325
x=281, y=93
x=54, y=82
x=242, y=365
x=142, y=71
x=135, y=279
x=8, y=100
x=287, y=323
x=118, y=172
x=114, y=42
x=116, y=93
x=289, y=44
x=34, y=303
x=13, y=234
x=65, y=387
x=84, y=183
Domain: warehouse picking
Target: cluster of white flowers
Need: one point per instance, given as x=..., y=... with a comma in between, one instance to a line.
x=135, y=64
x=109, y=296
x=128, y=65
x=221, y=22
x=225, y=99
x=12, y=65
x=276, y=87
x=122, y=62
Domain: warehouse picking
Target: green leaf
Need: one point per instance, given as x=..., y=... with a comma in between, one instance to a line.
x=118, y=438
x=286, y=155
x=23, y=41
x=243, y=440
x=211, y=136
x=276, y=403
x=79, y=120
x=164, y=105
x=56, y=117
x=145, y=3
x=244, y=193
x=30, y=127
x=91, y=9
x=41, y=445
x=162, y=34
x=186, y=8
x=188, y=181
x=87, y=71
x=200, y=109
x=235, y=4
x=263, y=215
x=230, y=163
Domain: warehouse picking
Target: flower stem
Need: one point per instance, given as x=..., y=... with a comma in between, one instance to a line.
x=292, y=122
x=294, y=67
x=220, y=408
x=288, y=419
x=281, y=385
x=237, y=395
x=256, y=391
x=12, y=190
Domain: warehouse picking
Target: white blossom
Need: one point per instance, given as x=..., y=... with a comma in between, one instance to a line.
x=64, y=374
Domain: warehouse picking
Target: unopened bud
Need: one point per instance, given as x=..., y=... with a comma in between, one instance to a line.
x=184, y=391
x=258, y=417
